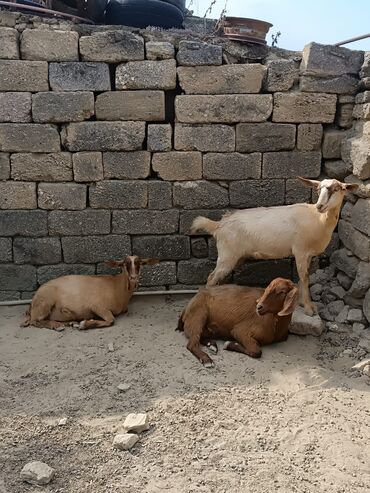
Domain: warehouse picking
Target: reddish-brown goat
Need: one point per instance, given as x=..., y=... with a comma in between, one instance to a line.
x=253, y=317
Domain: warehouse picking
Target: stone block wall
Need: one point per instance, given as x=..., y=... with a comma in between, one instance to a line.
x=112, y=140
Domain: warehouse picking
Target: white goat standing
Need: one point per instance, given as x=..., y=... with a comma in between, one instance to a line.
x=302, y=230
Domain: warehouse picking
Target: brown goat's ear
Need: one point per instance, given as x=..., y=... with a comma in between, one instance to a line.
x=149, y=261
x=290, y=302
x=350, y=187
x=114, y=264
x=309, y=183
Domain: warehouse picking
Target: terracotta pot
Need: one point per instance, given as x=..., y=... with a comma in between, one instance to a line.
x=243, y=29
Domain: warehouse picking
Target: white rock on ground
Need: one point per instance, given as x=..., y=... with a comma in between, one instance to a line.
x=125, y=441
x=62, y=421
x=111, y=347
x=37, y=472
x=123, y=387
x=136, y=422
x=303, y=324
x=355, y=315
x=361, y=365
x=366, y=370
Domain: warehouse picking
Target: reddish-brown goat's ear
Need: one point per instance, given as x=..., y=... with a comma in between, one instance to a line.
x=350, y=187
x=149, y=261
x=114, y=263
x=309, y=183
x=290, y=302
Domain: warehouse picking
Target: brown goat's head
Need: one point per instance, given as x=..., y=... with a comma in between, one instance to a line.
x=280, y=297
x=132, y=265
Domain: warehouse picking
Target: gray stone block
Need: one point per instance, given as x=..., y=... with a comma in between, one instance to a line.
x=296, y=192
x=49, y=45
x=281, y=75
x=178, y=166
x=195, y=271
x=192, y=53
x=9, y=295
x=291, y=164
x=199, y=247
x=119, y=195
x=365, y=69
x=60, y=107
x=344, y=262
x=361, y=216
x=196, y=194
x=361, y=111
x=17, y=277
x=130, y=105
x=159, y=274
x=326, y=60
x=30, y=137
x=362, y=97
x=46, y=273
x=355, y=241
x=61, y=196
x=87, y=166
x=225, y=79
x=159, y=137
x=103, y=136
x=42, y=167
x=187, y=218
x=229, y=108
x=86, y=222
x=23, y=223
x=263, y=137
x=17, y=195
x=296, y=107
x=6, y=253
x=147, y=75
x=361, y=284
x=79, y=76
x=126, y=165
x=9, y=48
x=37, y=251
x=336, y=169
x=24, y=76
x=213, y=138
x=92, y=249
x=309, y=137
x=15, y=107
x=366, y=306
x=112, y=47
x=261, y=273
x=355, y=151
x=172, y=247
x=145, y=222
x=331, y=147
x=233, y=166
x=159, y=50
x=159, y=195
x=4, y=166
x=343, y=84
x=257, y=193
x=344, y=115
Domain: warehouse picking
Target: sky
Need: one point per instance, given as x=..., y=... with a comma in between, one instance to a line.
x=301, y=21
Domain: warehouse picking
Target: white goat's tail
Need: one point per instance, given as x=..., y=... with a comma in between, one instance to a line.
x=205, y=224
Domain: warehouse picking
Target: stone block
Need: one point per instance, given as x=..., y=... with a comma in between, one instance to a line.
x=87, y=166
x=263, y=137
x=361, y=111
x=30, y=137
x=257, y=193
x=79, y=223
x=309, y=137
x=125, y=441
x=192, y=53
x=296, y=192
x=365, y=69
x=23, y=76
x=224, y=79
x=49, y=45
x=112, y=47
x=336, y=169
x=303, y=324
x=331, y=146
x=360, y=217
x=119, y=195
x=9, y=295
x=213, y=138
x=103, y=136
x=261, y=273
x=79, y=76
x=159, y=137
x=15, y=107
x=230, y=108
x=23, y=223
x=130, y=105
x=233, y=166
x=362, y=97
x=92, y=249
x=145, y=222
x=355, y=151
x=187, y=218
x=6, y=253
x=17, y=195
x=344, y=262
x=62, y=196
x=58, y=107
x=199, y=247
x=344, y=115
x=147, y=75
x=178, y=166
x=46, y=273
x=281, y=75
x=4, y=166
x=364, y=84
x=158, y=274
x=328, y=60
x=196, y=194
x=194, y=271
x=9, y=49
x=37, y=251
x=171, y=247
x=17, y=277
x=361, y=284
x=355, y=241
x=42, y=167
x=343, y=84
x=291, y=164
x=159, y=195
x=296, y=107
x=126, y=165
x=159, y=50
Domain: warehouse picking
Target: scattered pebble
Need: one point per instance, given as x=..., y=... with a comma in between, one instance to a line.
x=125, y=441
x=123, y=387
x=37, y=472
x=366, y=370
x=111, y=347
x=62, y=421
x=136, y=422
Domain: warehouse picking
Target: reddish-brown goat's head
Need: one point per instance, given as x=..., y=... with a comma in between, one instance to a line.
x=280, y=297
x=132, y=265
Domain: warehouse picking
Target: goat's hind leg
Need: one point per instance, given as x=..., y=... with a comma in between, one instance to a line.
x=106, y=316
x=245, y=343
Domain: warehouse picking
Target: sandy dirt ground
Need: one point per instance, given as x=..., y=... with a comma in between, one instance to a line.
x=297, y=420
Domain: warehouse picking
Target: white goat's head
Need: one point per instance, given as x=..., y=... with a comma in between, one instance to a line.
x=331, y=192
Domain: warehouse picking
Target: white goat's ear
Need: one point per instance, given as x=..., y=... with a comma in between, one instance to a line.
x=290, y=302
x=149, y=261
x=350, y=187
x=309, y=183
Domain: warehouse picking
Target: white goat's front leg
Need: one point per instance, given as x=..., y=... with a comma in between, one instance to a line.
x=223, y=267
x=303, y=263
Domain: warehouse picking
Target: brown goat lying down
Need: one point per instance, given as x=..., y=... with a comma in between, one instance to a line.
x=253, y=317
x=86, y=301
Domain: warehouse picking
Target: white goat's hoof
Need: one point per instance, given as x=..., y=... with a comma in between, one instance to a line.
x=209, y=364
x=227, y=344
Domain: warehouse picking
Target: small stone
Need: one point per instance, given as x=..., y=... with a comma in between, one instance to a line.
x=62, y=421
x=342, y=316
x=37, y=472
x=361, y=365
x=355, y=315
x=303, y=324
x=136, y=422
x=364, y=343
x=125, y=441
x=358, y=328
x=347, y=352
x=338, y=291
x=335, y=307
x=366, y=370
x=124, y=387
x=316, y=289
x=344, y=280
x=111, y=347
